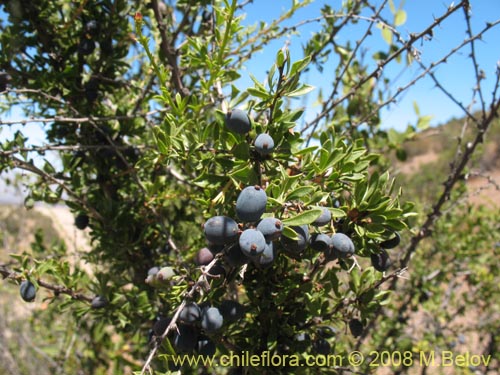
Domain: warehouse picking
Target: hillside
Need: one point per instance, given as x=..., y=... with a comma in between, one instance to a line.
x=430, y=152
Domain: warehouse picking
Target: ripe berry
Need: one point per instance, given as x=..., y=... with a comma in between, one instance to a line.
x=153, y=271
x=205, y=346
x=91, y=28
x=186, y=338
x=215, y=249
x=302, y=336
x=343, y=245
x=381, y=261
x=252, y=242
x=234, y=257
x=327, y=331
x=356, y=327
x=238, y=121
x=321, y=242
x=267, y=257
x=221, y=230
x=91, y=90
x=264, y=144
x=231, y=311
x=251, y=203
x=299, y=245
x=301, y=341
x=211, y=319
x=324, y=218
x=99, y=302
x=203, y=257
x=86, y=46
x=4, y=80
x=161, y=326
x=81, y=221
x=190, y=313
x=217, y=271
x=271, y=228
x=27, y=291
x=321, y=346
x=392, y=242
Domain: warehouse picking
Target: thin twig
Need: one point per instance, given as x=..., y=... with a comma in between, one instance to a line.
x=377, y=71
x=428, y=72
x=57, y=289
x=21, y=164
x=201, y=283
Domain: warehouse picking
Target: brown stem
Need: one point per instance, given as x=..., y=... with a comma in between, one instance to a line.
x=168, y=49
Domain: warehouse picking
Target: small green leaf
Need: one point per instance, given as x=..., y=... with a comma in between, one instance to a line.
x=337, y=212
x=48, y=168
x=392, y=7
x=304, y=89
x=306, y=150
x=242, y=151
x=280, y=58
x=400, y=17
x=258, y=93
x=161, y=140
x=416, y=108
x=387, y=35
x=306, y=217
x=300, y=65
x=424, y=122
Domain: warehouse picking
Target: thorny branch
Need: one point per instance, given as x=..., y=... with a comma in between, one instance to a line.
x=201, y=284
x=332, y=103
x=346, y=65
x=31, y=167
x=57, y=289
x=168, y=49
x=458, y=166
x=452, y=179
x=428, y=71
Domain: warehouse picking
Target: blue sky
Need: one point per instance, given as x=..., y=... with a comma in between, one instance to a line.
x=457, y=75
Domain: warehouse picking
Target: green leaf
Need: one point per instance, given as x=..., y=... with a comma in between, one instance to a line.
x=280, y=58
x=306, y=217
x=337, y=212
x=392, y=7
x=299, y=192
x=424, y=122
x=416, y=108
x=300, y=65
x=290, y=233
x=258, y=93
x=48, y=168
x=400, y=17
x=161, y=140
x=242, y=151
x=387, y=35
x=245, y=173
x=306, y=150
x=304, y=89
x=367, y=277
